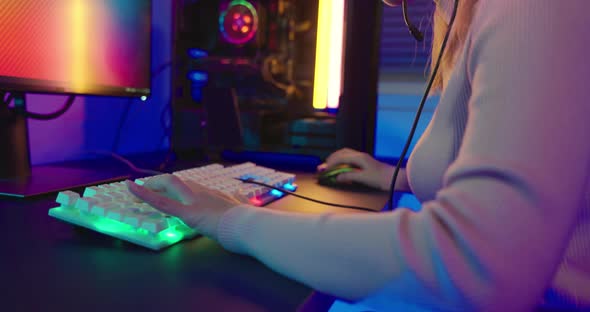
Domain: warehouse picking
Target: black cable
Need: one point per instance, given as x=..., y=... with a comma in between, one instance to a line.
x=166, y=117
x=6, y=98
x=124, y=116
x=4, y=109
x=251, y=181
x=55, y=114
x=167, y=107
x=170, y=154
x=117, y=140
x=126, y=161
x=165, y=114
x=167, y=159
x=167, y=127
x=422, y=102
x=160, y=69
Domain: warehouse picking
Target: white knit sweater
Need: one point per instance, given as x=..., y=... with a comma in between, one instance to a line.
x=502, y=171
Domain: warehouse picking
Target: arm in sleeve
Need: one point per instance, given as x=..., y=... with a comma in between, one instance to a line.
x=494, y=236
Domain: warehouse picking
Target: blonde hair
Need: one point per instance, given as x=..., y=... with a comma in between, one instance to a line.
x=456, y=41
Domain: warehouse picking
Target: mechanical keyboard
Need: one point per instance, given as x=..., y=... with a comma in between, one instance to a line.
x=112, y=210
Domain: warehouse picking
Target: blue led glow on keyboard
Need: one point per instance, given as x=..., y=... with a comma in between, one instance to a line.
x=290, y=187
x=276, y=193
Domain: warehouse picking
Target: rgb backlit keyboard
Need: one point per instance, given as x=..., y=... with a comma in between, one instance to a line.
x=111, y=209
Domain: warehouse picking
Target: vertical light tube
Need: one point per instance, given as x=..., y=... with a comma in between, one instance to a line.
x=79, y=45
x=336, y=49
x=320, y=85
x=329, y=48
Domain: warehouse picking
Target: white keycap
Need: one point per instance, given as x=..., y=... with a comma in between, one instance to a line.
x=142, y=180
x=132, y=220
x=116, y=215
x=85, y=203
x=100, y=209
x=154, y=222
x=91, y=191
x=119, y=185
x=132, y=216
x=67, y=198
x=116, y=195
x=102, y=198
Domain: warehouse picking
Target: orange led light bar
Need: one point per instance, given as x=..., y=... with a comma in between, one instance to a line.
x=329, y=54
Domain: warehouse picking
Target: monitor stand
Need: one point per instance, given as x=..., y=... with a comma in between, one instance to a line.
x=18, y=178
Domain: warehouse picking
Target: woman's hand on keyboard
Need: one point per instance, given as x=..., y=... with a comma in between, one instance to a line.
x=199, y=207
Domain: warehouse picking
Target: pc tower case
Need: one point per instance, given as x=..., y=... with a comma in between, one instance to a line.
x=254, y=61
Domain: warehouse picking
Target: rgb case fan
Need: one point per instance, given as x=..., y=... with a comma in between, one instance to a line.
x=238, y=22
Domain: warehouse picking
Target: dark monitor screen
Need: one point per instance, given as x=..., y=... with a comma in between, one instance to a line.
x=76, y=46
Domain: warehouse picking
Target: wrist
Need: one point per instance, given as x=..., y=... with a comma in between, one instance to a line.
x=386, y=177
x=233, y=227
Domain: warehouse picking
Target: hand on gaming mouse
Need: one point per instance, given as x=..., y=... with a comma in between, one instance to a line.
x=198, y=207
x=372, y=172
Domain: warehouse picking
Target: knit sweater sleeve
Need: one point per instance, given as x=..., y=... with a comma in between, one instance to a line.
x=495, y=233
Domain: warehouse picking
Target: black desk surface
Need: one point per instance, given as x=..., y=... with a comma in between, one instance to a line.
x=48, y=265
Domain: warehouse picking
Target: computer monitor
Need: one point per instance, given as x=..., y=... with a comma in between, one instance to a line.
x=75, y=47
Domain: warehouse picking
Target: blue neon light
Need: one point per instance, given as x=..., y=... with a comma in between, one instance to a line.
x=197, y=53
x=289, y=187
x=197, y=93
x=276, y=193
x=198, y=76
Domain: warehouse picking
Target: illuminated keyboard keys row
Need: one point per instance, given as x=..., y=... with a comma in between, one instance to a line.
x=227, y=180
x=113, y=210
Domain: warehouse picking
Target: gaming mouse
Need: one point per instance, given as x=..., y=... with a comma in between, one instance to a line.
x=328, y=176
